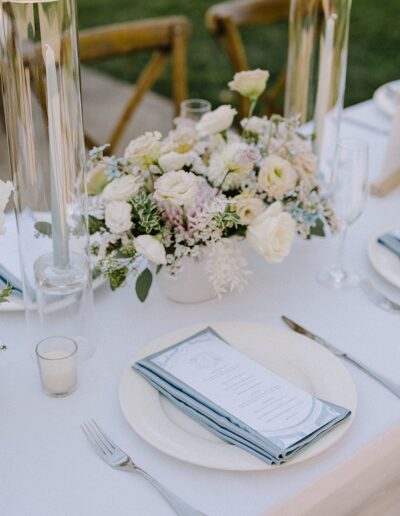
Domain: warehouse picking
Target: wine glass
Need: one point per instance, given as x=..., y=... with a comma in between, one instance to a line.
x=194, y=109
x=348, y=194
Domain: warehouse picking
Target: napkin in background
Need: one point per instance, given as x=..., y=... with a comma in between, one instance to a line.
x=391, y=241
x=390, y=175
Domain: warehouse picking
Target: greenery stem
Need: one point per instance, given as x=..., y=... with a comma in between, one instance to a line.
x=253, y=103
x=223, y=181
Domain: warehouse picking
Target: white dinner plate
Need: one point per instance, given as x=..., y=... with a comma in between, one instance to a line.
x=16, y=304
x=10, y=258
x=386, y=263
x=294, y=357
x=387, y=97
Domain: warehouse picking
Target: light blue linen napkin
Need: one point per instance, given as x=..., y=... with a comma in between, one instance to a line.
x=272, y=450
x=391, y=241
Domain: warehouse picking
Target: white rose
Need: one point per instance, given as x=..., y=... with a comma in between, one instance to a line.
x=118, y=216
x=277, y=177
x=177, y=188
x=229, y=165
x=302, y=158
x=254, y=124
x=250, y=83
x=248, y=208
x=174, y=161
x=97, y=179
x=6, y=188
x=216, y=121
x=151, y=248
x=272, y=233
x=144, y=150
x=122, y=188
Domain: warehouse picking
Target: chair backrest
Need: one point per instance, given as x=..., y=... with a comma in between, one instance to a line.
x=224, y=21
x=166, y=37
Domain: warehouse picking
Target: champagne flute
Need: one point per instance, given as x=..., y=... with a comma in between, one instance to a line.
x=348, y=193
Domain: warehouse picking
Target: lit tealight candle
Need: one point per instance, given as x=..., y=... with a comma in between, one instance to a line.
x=57, y=365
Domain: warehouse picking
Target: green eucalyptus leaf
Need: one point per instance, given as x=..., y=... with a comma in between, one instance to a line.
x=143, y=284
x=117, y=277
x=95, y=224
x=4, y=294
x=44, y=228
x=318, y=229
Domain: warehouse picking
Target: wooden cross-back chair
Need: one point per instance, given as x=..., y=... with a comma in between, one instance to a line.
x=166, y=37
x=224, y=21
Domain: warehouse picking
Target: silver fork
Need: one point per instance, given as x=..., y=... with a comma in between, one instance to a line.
x=378, y=298
x=118, y=459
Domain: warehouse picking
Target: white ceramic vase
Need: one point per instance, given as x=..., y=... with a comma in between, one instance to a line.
x=191, y=284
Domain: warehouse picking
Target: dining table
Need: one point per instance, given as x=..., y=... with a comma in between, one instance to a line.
x=46, y=464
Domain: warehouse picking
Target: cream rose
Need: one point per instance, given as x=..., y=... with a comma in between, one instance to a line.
x=118, y=216
x=248, y=208
x=144, y=150
x=151, y=248
x=177, y=188
x=234, y=160
x=250, y=83
x=254, y=124
x=97, y=179
x=174, y=161
x=122, y=188
x=216, y=121
x=277, y=177
x=272, y=233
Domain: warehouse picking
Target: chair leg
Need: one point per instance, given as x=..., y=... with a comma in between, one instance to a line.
x=147, y=78
x=179, y=69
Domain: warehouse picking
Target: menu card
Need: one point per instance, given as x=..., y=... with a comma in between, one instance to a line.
x=239, y=399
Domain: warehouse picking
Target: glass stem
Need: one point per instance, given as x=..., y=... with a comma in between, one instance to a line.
x=341, y=251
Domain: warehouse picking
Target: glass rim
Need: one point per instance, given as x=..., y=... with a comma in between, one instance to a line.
x=68, y=355
x=353, y=144
x=201, y=103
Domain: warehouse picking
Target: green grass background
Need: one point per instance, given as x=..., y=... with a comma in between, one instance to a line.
x=374, y=46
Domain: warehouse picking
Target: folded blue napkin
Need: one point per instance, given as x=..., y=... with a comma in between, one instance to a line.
x=206, y=359
x=7, y=278
x=391, y=241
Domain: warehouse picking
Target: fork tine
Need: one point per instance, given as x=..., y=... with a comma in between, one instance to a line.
x=99, y=437
x=92, y=437
x=104, y=436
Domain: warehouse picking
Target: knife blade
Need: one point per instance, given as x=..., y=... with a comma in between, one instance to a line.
x=299, y=329
x=392, y=386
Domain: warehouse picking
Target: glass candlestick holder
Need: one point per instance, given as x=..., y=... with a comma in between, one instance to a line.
x=194, y=109
x=316, y=77
x=42, y=104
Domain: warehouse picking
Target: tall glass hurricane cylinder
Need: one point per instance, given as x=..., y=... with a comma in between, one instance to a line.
x=42, y=103
x=317, y=62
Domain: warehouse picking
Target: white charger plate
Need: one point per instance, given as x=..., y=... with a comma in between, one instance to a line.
x=385, y=100
x=386, y=263
x=296, y=358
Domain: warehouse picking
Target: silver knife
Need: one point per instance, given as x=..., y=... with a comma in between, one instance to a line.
x=393, y=387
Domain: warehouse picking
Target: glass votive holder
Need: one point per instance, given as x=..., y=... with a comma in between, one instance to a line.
x=194, y=109
x=57, y=360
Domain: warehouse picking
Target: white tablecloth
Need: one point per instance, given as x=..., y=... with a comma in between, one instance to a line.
x=46, y=464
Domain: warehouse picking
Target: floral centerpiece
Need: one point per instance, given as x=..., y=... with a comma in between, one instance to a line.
x=5, y=192
x=194, y=193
